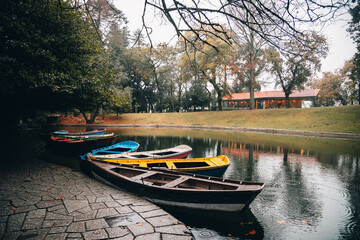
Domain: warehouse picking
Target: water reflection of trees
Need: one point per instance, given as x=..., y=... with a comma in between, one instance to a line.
x=301, y=177
x=291, y=197
x=301, y=197
x=242, y=148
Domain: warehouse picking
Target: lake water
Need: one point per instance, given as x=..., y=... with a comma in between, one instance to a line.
x=312, y=191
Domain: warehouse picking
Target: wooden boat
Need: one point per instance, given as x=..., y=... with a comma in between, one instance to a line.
x=121, y=147
x=74, y=146
x=213, y=166
x=88, y=137
x=180, y=151
x=175, y=189
x=66, y=133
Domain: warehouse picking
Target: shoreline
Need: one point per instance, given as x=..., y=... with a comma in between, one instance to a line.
x=348, y=136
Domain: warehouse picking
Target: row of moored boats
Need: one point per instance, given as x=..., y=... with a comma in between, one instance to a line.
x=166, y=176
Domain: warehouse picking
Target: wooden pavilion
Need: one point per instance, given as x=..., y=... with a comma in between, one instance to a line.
x=269, y=99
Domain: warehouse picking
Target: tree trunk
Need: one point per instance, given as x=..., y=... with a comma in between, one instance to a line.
x=93, y=115
x=287, y=94
x=218, y=90
x=219, y=101
x=85, y=117
x=286, y=153
x=251, y=90
x=209, y=97
x=219, y=93
x=252, y=98
x=179, y=98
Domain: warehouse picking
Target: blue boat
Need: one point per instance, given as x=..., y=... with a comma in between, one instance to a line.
x=121, y=147
x=65, y=133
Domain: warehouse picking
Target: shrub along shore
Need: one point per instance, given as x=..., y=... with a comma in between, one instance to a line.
x=332, y=121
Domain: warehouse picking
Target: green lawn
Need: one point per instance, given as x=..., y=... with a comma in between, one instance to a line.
x=345, y=119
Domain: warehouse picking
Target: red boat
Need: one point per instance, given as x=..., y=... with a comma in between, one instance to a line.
x=80, y=146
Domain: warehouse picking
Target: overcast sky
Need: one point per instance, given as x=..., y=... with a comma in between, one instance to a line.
x=341, y=46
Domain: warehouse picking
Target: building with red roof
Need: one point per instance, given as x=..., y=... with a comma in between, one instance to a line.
x=270, y=99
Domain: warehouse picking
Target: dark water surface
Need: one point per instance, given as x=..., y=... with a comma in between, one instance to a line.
x=312, y=191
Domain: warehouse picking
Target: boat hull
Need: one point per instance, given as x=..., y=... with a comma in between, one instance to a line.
x=121, y=147
x=219, y=207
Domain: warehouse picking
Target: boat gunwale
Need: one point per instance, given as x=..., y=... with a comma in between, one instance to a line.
x=88, y=137
x=92, y=132
x=137, y=162
x=134, y=145
x=81, y=140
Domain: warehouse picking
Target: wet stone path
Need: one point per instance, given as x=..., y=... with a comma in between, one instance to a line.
x=47, y=201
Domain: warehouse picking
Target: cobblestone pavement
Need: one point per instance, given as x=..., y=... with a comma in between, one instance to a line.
x=46, y=201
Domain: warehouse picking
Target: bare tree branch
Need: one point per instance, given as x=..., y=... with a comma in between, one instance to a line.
x=276, y=21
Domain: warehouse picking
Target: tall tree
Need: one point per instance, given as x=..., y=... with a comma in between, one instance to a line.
x=164, y=59
x=139, y=76
x=212, y=61
x=188, y=72
x=118, y=42
x=330, y=90
x=47, y=48
x=354, y=30
x=134, y=68
x=123, y=100
x=293, y=70
x=104, y=15
x=351, y=83
x=95, y=91
x=251, y=61
x=197, y=96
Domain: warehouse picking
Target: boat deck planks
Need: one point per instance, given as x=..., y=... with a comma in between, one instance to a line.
x=143, y=175
x=176, y=182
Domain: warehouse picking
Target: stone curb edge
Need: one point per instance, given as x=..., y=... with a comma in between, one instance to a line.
x=351, y=136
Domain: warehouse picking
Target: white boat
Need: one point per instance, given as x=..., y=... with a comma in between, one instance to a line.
x=177, y=152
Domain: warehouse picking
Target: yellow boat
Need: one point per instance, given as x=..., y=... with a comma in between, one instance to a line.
x=213, y=166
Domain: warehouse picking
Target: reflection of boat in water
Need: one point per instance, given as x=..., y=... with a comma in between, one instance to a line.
x=210, y=225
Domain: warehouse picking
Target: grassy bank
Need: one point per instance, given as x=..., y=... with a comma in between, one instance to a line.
x=345, y=119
